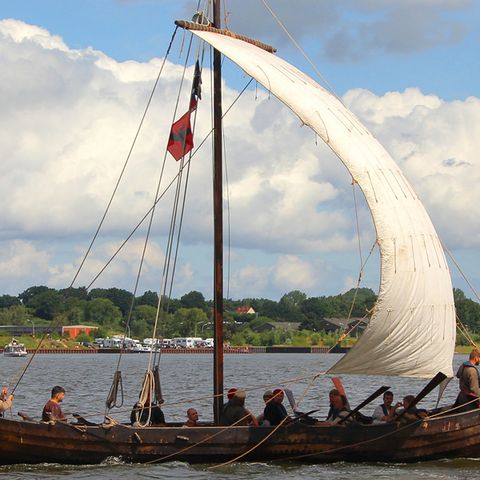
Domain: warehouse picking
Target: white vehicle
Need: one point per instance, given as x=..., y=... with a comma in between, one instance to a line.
x=183, y=342
x=209, y=342
x=166, y=343
x=114, y=342
x=136, y=346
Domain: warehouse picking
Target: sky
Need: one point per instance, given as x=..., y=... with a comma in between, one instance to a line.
x=75, y=80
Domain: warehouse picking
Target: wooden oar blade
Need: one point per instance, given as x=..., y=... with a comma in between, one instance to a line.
x=337, y=381
x=368, y=400
x=291, y=398
x=341, y=390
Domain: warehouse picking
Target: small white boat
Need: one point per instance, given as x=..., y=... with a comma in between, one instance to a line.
x=15, y=349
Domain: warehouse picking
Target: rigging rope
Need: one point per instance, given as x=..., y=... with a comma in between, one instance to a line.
x=460, y=271
x=346, y=331
x=110, y=404
x=166, y=189
x=300, y=49
x=112, y=397
x=126, y=160
x=154, y=356
x=145, y=399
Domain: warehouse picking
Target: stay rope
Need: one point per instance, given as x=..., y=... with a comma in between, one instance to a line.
x=300, y=49
x=147, y=107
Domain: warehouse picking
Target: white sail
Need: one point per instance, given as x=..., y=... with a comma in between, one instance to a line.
x=412, y=329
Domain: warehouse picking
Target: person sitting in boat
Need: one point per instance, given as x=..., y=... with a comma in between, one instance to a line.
x=411, y=414
x=386, y=411
x=6, y=401
x=234, y=411
x=147, y=414
x=338, y=408
x=267, y=397
x=52, y=410
x=192, y=418
x=469, y=383
x=275, y=412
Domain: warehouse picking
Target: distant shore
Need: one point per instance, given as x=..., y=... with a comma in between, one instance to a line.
x=227, y=350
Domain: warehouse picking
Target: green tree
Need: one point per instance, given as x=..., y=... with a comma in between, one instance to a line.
x=193, y=299
x=148, y=298
x=14, y=315
x=119, y=297
x=102, y=311
x=189, y=321
x=79, y=293
x=291, y=304
x=47, y=304
x=143, y=320
x=27, y=295
x=8, y=301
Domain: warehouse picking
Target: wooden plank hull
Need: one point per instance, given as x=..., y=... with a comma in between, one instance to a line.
x=450, y=436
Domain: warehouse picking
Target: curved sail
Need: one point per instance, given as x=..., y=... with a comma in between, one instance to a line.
x=412, y=329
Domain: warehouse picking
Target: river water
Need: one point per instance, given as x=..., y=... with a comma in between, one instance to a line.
x=187, y=381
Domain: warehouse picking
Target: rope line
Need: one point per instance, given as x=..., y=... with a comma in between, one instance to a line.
x=126, y=161
x=300, y=49
x=460, y=270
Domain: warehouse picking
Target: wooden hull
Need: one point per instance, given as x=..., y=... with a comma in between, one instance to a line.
x=450, y=436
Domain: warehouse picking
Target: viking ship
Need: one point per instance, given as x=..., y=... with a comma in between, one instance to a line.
x=411, y=331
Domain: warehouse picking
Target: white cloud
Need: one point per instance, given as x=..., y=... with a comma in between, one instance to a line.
x=293, y=273
x=19, y=258
x=22, y=32
x=436, y=144
x=69, y=118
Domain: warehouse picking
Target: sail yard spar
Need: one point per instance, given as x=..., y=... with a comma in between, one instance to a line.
x=412, y=329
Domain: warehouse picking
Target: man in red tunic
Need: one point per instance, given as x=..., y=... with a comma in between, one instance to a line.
x=52, y=410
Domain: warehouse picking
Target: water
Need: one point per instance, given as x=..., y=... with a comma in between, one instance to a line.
x=187, y=381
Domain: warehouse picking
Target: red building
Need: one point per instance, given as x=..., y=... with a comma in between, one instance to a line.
x=73, y=331
x=243, y=310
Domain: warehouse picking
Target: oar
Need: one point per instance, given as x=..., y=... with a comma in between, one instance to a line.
x=341, y=390
x=371, y=398
x=300, y=416
x=291, y=398
x=433, y=383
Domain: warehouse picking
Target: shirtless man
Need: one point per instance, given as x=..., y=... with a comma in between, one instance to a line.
x=192, y=416
x=52, y=410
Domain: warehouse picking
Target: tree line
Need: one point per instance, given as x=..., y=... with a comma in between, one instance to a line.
x=116, y=310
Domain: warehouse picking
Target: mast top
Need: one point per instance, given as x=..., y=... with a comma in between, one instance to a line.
x=207, y=28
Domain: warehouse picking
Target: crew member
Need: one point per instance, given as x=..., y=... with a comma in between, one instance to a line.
x=275, y=412
x=385, y=411
x=234, y=411
x=192, y=416
x=6, y=400
x=338, y=409
x=52, y=410
x=469, y=383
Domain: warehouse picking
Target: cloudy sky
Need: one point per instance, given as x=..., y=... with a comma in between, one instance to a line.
x=75, y=80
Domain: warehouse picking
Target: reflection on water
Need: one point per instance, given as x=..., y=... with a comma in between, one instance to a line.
x=187, y=381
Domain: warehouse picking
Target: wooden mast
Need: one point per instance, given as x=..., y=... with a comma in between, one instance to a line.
x=218, y=226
